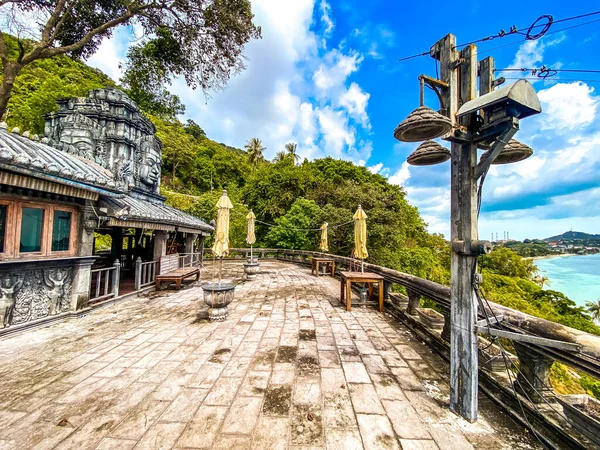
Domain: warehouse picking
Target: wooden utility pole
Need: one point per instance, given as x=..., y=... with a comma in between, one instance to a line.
x=470, y=123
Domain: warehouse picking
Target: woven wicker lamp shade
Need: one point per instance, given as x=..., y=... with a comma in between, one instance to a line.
x=428, y=153
x=422, y=124
x=513, y=152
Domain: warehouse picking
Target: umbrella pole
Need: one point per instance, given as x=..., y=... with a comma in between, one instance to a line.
x=220, y=269
x=251, y=260
x=362, y=265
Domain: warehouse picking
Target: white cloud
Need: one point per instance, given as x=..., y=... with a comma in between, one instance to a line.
x=335, y=69
x=376, y=168
x=401, y=176
x=326, y=18
x=531, y=53
x=336, y=131
x=355, y=101
x=568, y=106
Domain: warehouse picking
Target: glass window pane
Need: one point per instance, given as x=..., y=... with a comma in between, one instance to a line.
x=61, y=231
x=3, y=209
x=32, y=222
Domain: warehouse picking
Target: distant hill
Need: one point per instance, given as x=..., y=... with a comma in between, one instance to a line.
x=573, y=235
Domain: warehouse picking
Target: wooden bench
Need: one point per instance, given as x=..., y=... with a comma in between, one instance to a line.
x=169, y=271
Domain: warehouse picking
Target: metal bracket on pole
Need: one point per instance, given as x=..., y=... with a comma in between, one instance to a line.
x=489, y=321
x=501, y=141
x=529, y=339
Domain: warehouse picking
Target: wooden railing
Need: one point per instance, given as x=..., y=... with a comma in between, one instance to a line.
x=145, y=273
x=190, y=259
x=104, y=282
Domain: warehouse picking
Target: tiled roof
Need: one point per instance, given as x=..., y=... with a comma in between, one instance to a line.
x=136, y=209
x=29, y=156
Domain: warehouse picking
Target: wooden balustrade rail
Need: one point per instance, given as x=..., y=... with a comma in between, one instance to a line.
x=104, y=282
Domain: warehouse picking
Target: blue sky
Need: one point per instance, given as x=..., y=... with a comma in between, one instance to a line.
x=326, y=75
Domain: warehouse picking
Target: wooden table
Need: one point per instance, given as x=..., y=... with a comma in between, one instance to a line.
x=317, y=261
x=347, y=278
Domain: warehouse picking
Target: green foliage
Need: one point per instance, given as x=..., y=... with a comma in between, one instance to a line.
x=42, y=83
x=304, y=214
x=504, y=261
x=530, y=248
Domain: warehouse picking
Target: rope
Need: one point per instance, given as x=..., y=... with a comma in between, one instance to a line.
x=304, y=229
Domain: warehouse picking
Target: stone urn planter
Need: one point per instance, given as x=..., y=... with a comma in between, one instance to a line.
x=217, y=297
x=431, y=318
x=583, y=412
x=401, y=301
x=251, y=269
x=252, y=259
x=490, y=357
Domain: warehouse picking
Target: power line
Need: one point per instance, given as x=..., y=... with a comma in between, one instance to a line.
x=544, y=68
x=549, y=21
x=552, y=79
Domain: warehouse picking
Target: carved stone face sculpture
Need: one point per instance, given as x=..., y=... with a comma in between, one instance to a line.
x=150, y=164
x=81, y=141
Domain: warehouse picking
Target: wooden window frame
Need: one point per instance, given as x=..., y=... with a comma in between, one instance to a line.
x=9, y=229
x=13, y=238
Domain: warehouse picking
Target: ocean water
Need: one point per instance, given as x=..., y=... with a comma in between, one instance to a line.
x=578, y=276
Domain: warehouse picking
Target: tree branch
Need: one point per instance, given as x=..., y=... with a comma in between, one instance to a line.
x=54, y=17
x=3, y=49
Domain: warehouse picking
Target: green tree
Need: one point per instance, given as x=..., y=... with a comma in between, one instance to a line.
x=291, y=148
x=206, y=38
x=504, y=261
x=594, y=309
x=255, y=151
x=291, y=230
x=280, y=156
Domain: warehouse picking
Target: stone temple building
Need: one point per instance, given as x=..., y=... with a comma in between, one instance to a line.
x=96, y=172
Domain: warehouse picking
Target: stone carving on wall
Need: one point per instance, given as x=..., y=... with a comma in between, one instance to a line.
x=35, y=293
x=8, y=285
x=108, y=128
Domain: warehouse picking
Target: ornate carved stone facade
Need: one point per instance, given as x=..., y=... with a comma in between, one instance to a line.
x=34, y=293
x=107, y=127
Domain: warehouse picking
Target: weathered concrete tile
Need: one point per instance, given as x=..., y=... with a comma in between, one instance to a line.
x=449, y=437
x=184, y=406
x=387, y=386
x=405, y=420
x=161, y=436
x=427, y=408
x=206, y=376
x=278, y=399
x=255, y=384
x=365, y=399
x=308, y=390
x=407, y=352
x=116, y=444
x=226, y=442
x=202, y=430
x=355, y=372
x=343, y=439
x=329, y=359
x=307, y=425
x=419, y=445
x=407, y=379
x=89, y=435
x=223, y=391
x=139, y=420
x=376, y=432
x=272, y=433
x=243, y=415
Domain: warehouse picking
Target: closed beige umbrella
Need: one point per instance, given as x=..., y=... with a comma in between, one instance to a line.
x=360, y=235
x=251, y=238
x=221, y=246
x=323, y=246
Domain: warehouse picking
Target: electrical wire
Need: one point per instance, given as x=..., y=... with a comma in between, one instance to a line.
x=528, y=36
x=552, y=79
x=303, y=229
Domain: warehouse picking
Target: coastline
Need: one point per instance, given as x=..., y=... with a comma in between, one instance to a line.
x=535, y=258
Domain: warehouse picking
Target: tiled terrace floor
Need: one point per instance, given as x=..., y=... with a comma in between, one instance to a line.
x=289, y=368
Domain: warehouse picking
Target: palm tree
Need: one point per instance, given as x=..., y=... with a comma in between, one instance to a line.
x=255, y=151
x=542, y=280
x=280, y=156
x=594, y=309
x=291, y=148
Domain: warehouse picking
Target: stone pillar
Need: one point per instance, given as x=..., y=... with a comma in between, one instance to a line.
x=80, y=287
x=533, y=379
x=387, y=289
x=189, y=245
x=160, y=245
x=414, y=302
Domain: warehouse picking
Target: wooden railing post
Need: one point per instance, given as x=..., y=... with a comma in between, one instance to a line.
x=533, y=379
x=138, y=273
x=116, y=277
x=414, y=302
x=387, y=289
x=446, y=333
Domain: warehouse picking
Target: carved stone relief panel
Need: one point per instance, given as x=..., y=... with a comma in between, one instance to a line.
x=34, y=293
